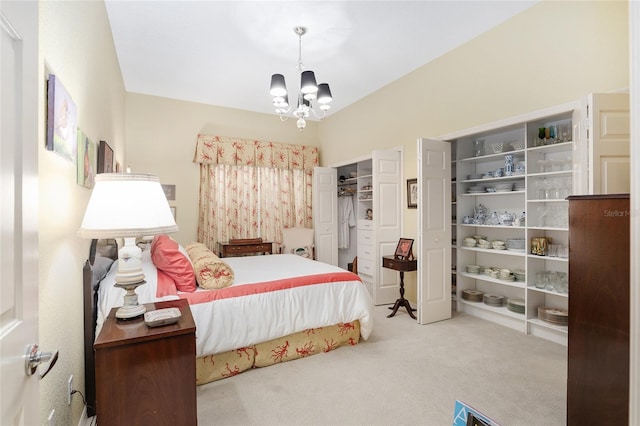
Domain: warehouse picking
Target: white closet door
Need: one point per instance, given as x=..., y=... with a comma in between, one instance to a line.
x=387, y=217
x=325, y=214
x=609, y=137
x=434, y=231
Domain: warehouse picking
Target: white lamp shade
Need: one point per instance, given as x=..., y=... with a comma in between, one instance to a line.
x=127, y=205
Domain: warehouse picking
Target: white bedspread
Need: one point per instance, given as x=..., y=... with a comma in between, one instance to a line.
x=237, y=322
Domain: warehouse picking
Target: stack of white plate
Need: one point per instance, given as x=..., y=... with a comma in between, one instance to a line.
x=520, y=275
x=504, y=187
x=493, y=300
x=498, y=244
x=472, y=295
x=516, y=305
x=553, y=315
x=473, y=269
x=470, y=242
x=515, y=244
x=475, y=189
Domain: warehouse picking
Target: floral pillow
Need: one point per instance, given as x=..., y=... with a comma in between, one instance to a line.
x=211, y=271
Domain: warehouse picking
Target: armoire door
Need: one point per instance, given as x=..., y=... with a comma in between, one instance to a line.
x=434, y=231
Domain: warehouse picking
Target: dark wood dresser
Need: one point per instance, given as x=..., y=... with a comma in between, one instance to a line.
x=599, y=291
x=244, y=248
x=147, y=375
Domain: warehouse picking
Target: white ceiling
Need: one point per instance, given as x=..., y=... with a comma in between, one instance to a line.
x=224, y=52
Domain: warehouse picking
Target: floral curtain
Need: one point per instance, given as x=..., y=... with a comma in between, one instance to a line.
x=252, y=189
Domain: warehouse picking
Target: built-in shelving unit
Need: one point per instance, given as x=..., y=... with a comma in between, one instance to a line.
x=532, y=189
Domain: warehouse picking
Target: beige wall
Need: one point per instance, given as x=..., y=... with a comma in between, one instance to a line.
x=76, y=45
x=161, y=139
x=551, y=54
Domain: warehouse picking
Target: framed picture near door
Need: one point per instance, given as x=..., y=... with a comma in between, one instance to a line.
x=412, y=193
x=105, y=158
x=404, y=249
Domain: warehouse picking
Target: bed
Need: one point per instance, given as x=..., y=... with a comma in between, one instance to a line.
x=278, y=308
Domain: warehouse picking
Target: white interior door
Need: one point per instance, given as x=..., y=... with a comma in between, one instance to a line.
x=387, y=201
x=19, y=209
x=325, y=214
x=434, y=231
x=610, y=150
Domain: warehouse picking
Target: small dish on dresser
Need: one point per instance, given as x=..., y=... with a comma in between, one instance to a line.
x=160, y=317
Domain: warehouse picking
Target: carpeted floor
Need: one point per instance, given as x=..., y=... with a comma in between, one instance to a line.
x=405, y=374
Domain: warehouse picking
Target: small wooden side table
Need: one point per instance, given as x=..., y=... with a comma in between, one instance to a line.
x=240, y=249
x=147, y=375
x=402, y=266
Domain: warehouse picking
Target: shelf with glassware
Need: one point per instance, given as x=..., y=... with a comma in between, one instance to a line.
x=511, y=185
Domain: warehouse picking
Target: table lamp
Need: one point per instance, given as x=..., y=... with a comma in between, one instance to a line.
x=127, y=205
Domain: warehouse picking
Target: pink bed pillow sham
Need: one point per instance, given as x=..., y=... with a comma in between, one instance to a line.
x=168, y=258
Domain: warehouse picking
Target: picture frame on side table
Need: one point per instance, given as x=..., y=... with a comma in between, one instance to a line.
x=105, y=158
x=412, y=193
x=404, y=249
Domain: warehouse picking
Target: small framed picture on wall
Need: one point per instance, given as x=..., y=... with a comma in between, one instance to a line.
x=412, y=193
x=105, y=158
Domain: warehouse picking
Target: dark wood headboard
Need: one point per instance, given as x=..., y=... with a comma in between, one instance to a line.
x=105, y=248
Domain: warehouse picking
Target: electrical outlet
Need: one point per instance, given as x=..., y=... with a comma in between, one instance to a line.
x=69, y=389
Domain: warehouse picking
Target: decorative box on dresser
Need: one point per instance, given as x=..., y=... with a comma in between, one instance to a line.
x=599, y=276
x=146, y=375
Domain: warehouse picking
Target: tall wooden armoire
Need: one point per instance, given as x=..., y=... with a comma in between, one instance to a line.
x=599, y=284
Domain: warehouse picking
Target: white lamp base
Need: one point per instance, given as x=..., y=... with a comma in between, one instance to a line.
x=131, y=308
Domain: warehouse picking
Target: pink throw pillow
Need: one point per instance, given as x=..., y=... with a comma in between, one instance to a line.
x=166, y=255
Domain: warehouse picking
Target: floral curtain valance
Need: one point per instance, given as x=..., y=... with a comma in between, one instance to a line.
x=245, y=152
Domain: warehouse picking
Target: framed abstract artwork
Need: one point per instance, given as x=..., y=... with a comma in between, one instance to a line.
x=62, y=120
x=87, y=160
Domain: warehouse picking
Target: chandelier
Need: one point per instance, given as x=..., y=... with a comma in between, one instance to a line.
x=309, y=91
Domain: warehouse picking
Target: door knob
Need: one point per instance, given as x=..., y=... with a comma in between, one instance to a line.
x=33, y=358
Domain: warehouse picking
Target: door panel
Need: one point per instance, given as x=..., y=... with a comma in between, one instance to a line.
x=434, y=231
x=387, y=199
x=325, y=214
x=19, y=208
x=610, y=150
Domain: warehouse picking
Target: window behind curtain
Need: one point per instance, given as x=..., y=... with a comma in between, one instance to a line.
x=251, y=189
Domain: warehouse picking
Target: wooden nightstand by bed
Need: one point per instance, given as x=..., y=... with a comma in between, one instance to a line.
x=147, y=375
